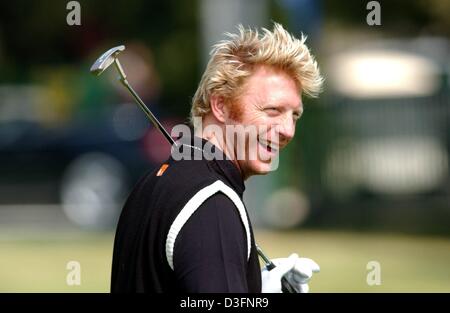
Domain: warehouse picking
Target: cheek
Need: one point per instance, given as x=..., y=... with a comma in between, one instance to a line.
x=236, y=111
x=247, y=114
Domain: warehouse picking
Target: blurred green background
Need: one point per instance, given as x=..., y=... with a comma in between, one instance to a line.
x=366, y=178
x=31, y=263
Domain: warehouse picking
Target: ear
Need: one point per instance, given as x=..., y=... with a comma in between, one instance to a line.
x=218, y=107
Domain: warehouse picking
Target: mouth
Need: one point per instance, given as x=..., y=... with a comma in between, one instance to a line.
x=269, y=146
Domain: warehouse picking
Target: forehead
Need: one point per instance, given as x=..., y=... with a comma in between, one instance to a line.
x=270, y=85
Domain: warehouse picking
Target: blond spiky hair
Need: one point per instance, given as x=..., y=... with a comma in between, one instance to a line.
x=232, y=61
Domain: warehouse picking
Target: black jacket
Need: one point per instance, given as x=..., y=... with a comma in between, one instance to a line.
x=206, y=250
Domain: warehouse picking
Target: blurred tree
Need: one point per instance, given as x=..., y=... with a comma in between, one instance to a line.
x=34, y=34
x=402, y=18
x=439, y=11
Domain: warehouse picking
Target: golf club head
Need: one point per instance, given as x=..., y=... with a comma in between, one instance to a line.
x=105, y=60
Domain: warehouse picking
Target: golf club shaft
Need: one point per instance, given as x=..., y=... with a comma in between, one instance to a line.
x=267, y=261
x=287, y=286
x=153, y=119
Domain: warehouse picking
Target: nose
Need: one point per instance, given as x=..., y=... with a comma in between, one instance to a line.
x=286, y=131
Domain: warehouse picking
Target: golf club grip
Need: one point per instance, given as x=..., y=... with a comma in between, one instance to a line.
x=286, y=286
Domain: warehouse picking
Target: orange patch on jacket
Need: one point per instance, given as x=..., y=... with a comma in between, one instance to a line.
x=162, y=169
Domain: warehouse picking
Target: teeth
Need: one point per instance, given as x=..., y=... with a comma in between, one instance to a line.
x=267, y=144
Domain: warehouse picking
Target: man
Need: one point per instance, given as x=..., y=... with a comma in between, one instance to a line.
x=184, y=227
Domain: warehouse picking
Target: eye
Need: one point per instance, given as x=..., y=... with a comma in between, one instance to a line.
x=296, y=116
x=272, y=110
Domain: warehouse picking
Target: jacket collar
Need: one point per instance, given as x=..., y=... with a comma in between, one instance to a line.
x=217, y=160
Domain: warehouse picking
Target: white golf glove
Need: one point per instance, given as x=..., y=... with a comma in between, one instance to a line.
x=297, y=270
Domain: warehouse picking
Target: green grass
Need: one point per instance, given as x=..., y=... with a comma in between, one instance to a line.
x=37, y=262
x=408, y=264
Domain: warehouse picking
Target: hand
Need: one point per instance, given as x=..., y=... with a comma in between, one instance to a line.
x=301, y=274
x=297, y=270
x=271, y=280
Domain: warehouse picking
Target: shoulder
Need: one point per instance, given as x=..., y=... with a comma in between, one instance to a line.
x=175, y=180
x=184, y=174
x=218, y=212
x=214, y=233
x=216, y=215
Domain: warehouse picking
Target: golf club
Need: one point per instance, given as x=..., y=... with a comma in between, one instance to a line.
x=110, y=57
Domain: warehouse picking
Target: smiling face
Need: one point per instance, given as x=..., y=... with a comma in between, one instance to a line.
x=270, y=102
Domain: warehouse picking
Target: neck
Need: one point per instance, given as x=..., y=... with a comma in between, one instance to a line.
x=219, y=142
